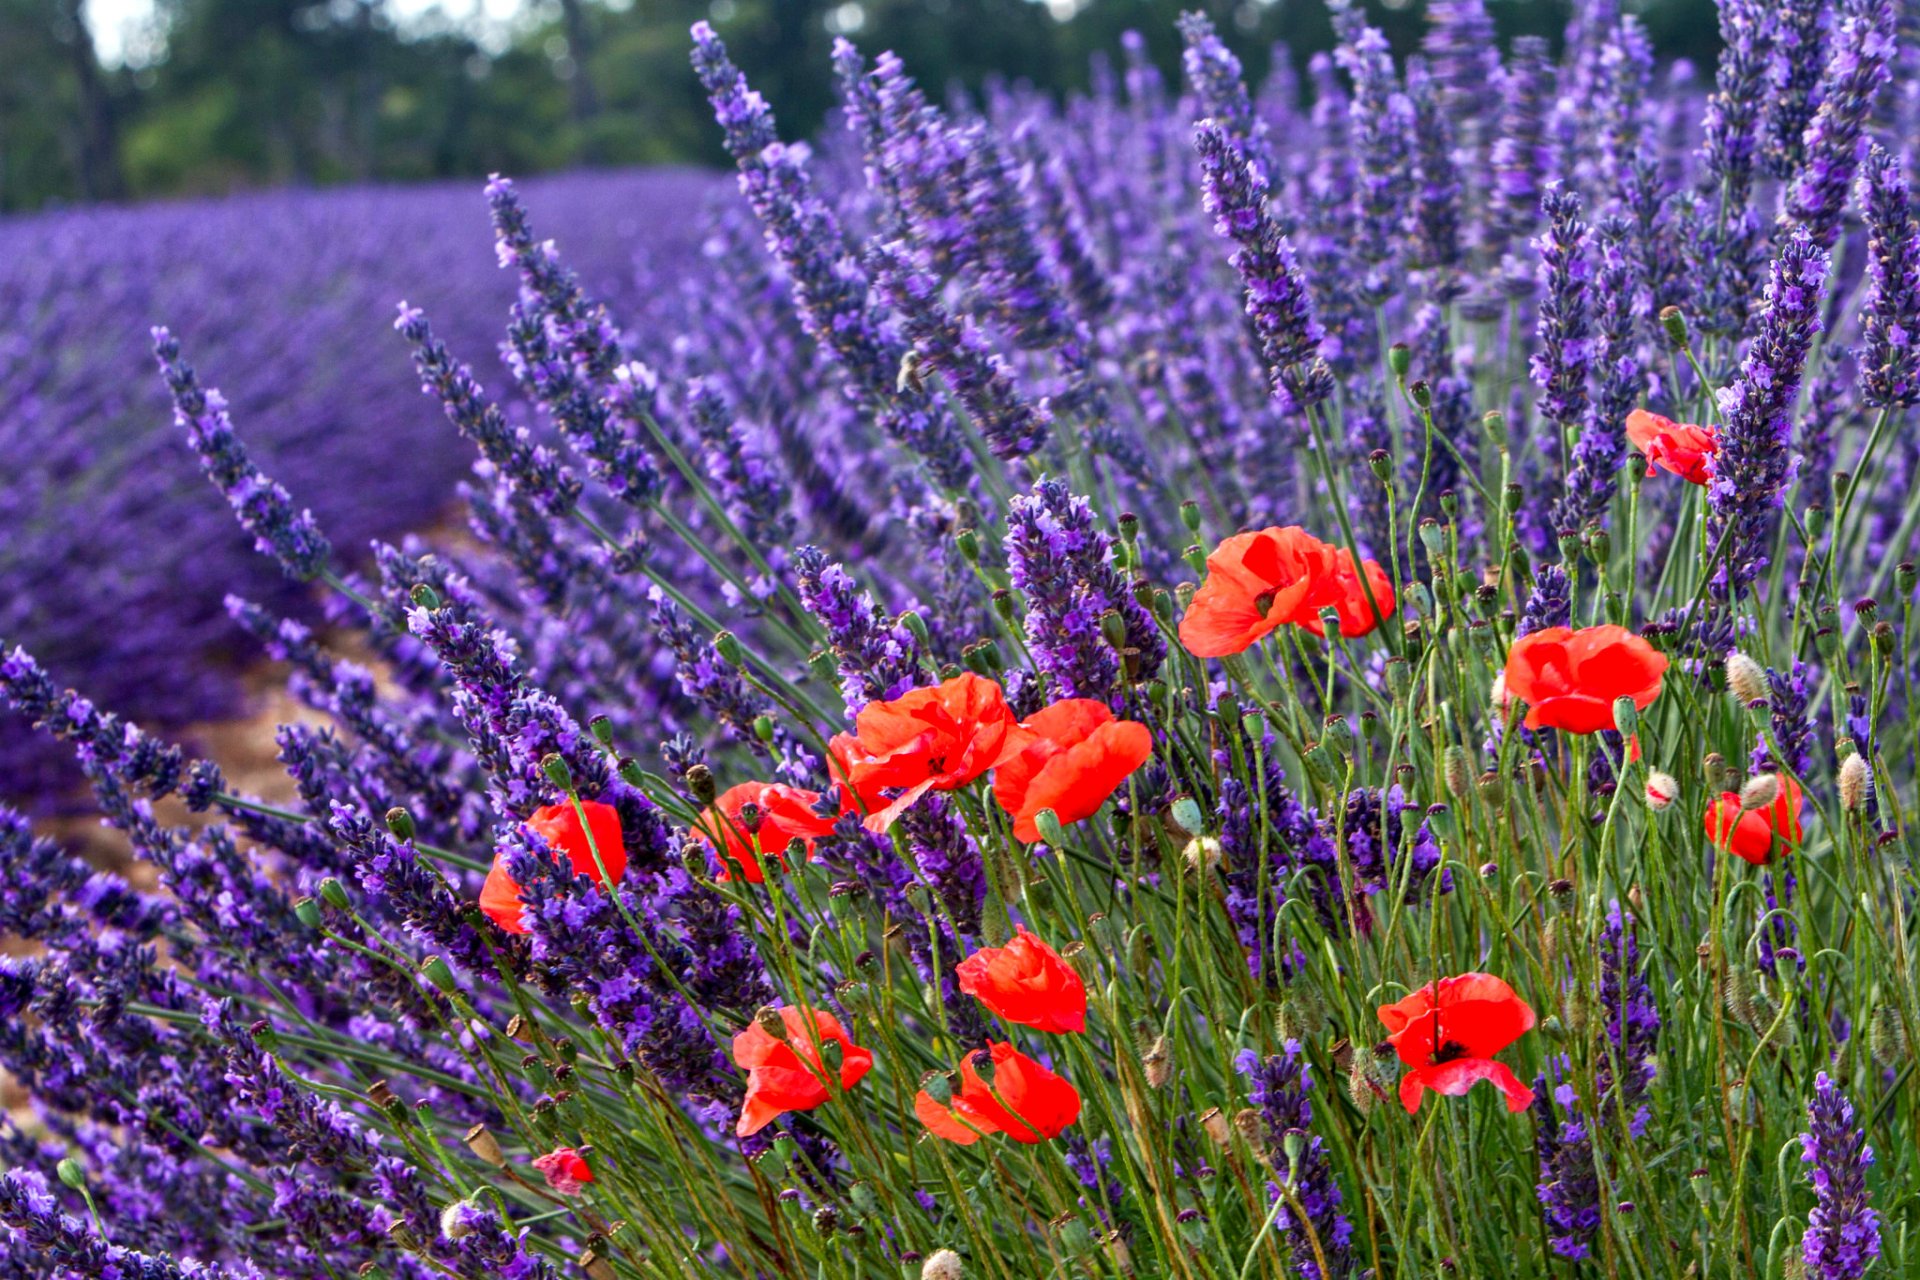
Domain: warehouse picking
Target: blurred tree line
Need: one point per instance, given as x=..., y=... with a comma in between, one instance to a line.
x=241, y=93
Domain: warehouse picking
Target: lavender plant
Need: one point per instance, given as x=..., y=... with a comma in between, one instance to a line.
x=1059, y=705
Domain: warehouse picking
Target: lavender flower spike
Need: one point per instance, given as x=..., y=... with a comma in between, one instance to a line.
x=1889, y=359
x=1863, y=47
x=264, y=508
x=1279, y=1087
x=70, y=1247
x=1754, y=461
x=1843, y=1232
x=1277, y=302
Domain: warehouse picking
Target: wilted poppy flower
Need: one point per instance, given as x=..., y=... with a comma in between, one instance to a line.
x=782, y=814
x=559, y=825
x=1068, y=757
x=1680, y=447
x=1570, y=679
x=785, y=1072
x=1258, y=582
x=1447, y=1033
x=566, y=1170
x=1026, y=982
x=934, y=739
x=1752, y=835
x=1033, y=1104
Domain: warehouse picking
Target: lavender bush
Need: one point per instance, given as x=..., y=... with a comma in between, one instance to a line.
x=115, y=562
x=1061, y=703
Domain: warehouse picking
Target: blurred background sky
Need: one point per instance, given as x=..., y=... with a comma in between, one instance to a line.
x=131, y=99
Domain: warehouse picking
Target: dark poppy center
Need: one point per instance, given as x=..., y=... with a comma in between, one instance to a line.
x=1264, y=602
x=1449, y=1051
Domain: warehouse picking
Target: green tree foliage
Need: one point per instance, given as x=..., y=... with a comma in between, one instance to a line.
x=263, y=92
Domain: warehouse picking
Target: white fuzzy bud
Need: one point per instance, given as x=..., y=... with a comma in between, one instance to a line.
x=1746, y=679
x=453, y=1220
x=1502, y=702
x=1854, y=776
x=1204, y=853
x=1662, y=790
x=1759, y=791
x=942, y=1264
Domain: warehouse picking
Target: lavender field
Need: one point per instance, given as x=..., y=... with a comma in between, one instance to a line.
x=1187, y=682
x=116, y=559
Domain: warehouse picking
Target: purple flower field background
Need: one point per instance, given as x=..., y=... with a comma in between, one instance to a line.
x=116, y=558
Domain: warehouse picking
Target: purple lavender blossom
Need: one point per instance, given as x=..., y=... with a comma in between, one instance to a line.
x=1569, y=1186
x=1751, y=469
x=1221, y=89
x=1565, y=354
x=1518, y=156
x=1843, y=1232
x=1280, y=1087
x=1633, y=1020
x=1797, y=33
x=1602, y=446
x=1890, y=347
x=1382, y=122
x=878, y=658
x=1862, y=51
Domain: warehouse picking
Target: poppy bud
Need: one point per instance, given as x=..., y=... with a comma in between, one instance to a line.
x=1905, y=577
x=917, y=627
x=1433, y=537
x=1626, y=717
x=1399, y=360
x=1399, y=677
x=768, y=1019
x=727, y=646
x=1157, y=1063
x=1815, y=518
x=400, y=823
x=72, y=1173
x=942, y=1264
x=554, y=765
x=307, y=912
x=969, y=544
x=453, y=1220
x=1759, y=791
x=1455, y=770
x=1113, y=629
x=1674, y=321
x=334, y=894
x=700, y=784
x=1190, y=515
x=1854, y=776
x=439, y=973
x=1662, y=790
x=424, y=596
x=1047, y=823
x=1381, y=463
x=1746, y=679
x=938, y=1086
x=1887, y=1037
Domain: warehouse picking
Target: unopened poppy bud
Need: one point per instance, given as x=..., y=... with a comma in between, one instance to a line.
x=72, y=1173
x=938, y=1086
x=727, y=646
x=424, y=596
x=307, y=912
x=1399, y=677
x=400, y=823
x=1047, y=823
x=1360, y=1084
x=763, y=728
x=1759, y=791
x=554, y=765
x=1626, y=717
x=1746, y=679
x=700, y=784
x=1381, y=463
x=1674, y=321
x=942, y=1264
x=1905, y=578
x=1887, y=1036
x=1186, y=815
x=1662, y=790
x=1190, y=515
x=334, y=894
x=1399, y=359
x=969, y=543
x=917, y=628
x=983, y=1066
x=1203, y=853
x=1854, y=776
x=455, y=1223
x=1456, y=770
x=439, y=973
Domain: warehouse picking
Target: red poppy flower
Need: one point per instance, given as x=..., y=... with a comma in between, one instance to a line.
x=1447, y=1033
x=1751, y=835
x=566, y=1170
x=935, y=739
x=559, y=825
x=1033, y=1104
x=1570, y=679
x=1068, y=757
x=1680, y=447
x=785, y=815
x=1257, y=582
x=1026, y=982
x=779, y=1078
